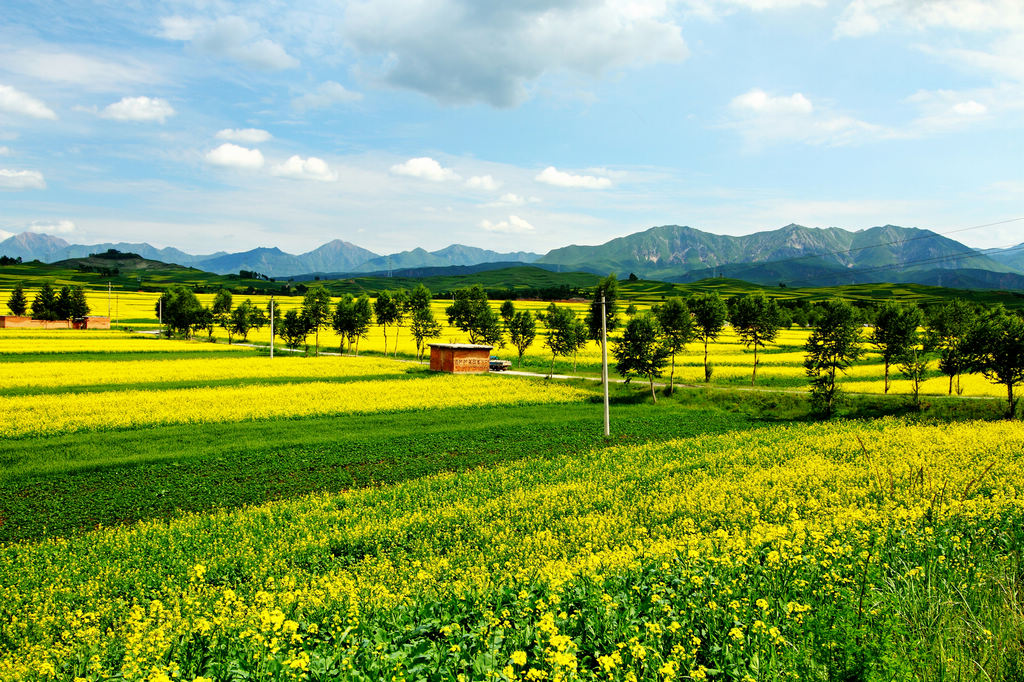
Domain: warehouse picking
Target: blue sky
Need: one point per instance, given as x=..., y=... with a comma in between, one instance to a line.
x=516, y=126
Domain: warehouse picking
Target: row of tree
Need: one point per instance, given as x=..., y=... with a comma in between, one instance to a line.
x=67, y=304
x=962, y=337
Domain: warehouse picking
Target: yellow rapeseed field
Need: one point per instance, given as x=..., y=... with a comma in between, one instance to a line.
x=779, y=553
x=223, y=367
x=66, y=412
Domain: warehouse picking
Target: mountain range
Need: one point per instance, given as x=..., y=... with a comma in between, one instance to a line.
x=793, y=255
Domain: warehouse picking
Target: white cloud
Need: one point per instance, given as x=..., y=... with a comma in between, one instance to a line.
x=759, y=101
x=762, y=118
x=865, y=17
x=514, y=225
x=56, y=65
x=249, y=135
x=425, y=168
x=305, y=169
x=14, y=101
x=230, y=37
x=557, y=178
x=463, y=51
x=21, y=179
x=5, y=151
x=232, y=156
x=139, y=109
x=59, y=227
x=326, y=95
x=485, y=182
x=4, y=234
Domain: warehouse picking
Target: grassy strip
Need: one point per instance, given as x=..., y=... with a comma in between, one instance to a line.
x=123, y=476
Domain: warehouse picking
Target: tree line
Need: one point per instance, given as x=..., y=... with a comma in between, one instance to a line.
x=69, y=303
x=962, y=337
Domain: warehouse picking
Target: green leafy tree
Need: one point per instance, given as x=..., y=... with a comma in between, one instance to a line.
x=507, y=312
x=522, y=330
x=221, y=309
x=831, y=348
x=18, y=302
x=363, y=314
x=423, y=327
x=316, y=308
x=471, y=312
x=420, y=298
x=294, y=329
x=182, y=311
x=949, y=327
x=912, y=363
x=62, y=307
x=638, y=352
x=995, y=347
x=676, y=325
x=343, y=319
x=44, y=305
x=79, y=303
x=404, y=306
x=563, y=336
x=386, y=310
x=631, y=310
x=709, y=316
x=756, y=320
x=244, y=318
x=895, y=331
x=207, y=321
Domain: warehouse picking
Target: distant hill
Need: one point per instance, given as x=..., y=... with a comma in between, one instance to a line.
x=1012, y=257
x=336, y=256
x=791, y=254
x=456, y=254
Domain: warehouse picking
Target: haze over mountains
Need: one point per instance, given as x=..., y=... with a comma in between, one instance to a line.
x=794, y=255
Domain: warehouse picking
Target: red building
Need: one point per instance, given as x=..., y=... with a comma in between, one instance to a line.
x=460, y=358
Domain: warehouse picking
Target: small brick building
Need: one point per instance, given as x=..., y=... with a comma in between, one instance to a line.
x=460, y=358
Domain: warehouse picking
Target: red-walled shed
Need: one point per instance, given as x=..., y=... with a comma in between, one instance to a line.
x=460, y=358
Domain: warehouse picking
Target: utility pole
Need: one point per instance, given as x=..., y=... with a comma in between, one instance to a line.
x=604, y=367
x=271, y=327
x=108, y=301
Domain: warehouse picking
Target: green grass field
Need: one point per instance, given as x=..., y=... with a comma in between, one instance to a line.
x=425, y=527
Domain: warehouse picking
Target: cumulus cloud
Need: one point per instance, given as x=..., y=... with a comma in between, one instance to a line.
x=232, y=156
x=139, y=109
x=557, y=178
x=4, y=234
x=305, y=169
x=945, y=110
x=762, y=118
x=325, y=96
x=461, y=51
x=514, y=225
x=21, y=179
x=425, y=168
x=485, y=182
x=759, y=101
x=14, y=101
x=50, y=227
x=249, y=135
x=230, y=37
